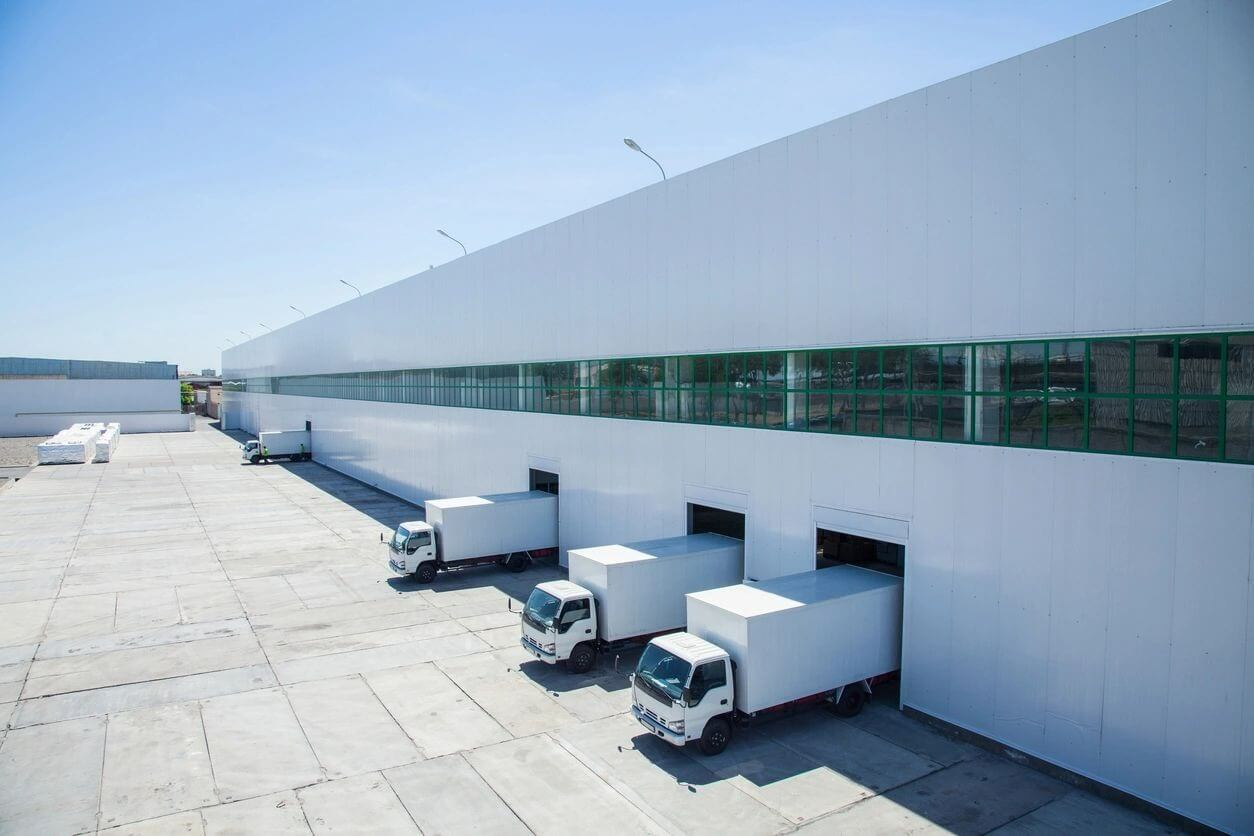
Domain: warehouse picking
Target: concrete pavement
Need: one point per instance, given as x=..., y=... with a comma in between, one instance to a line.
x=189, y=644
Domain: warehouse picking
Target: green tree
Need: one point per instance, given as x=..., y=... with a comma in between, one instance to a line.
x=186, y=395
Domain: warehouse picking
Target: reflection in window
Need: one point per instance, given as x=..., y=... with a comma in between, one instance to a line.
x=1155, y=366
x=1108, y=424
x=1239, y=437
x=1197, y=428
x=990, y=368
x=894, y=368
x=868, y=368
x=1064, y=422
x=1151, y=422
x=989, y=420
x=1241, y=365
x=954, y=368
x=842, y=369
x=1108, y=366
x=1199, y=366
x=1027, y=420
x=1066, y=366
x=896, y=421
x=925, y=417
x=867, y=421
x=842, y=413
x=925, y=368
x=1027, y=368
x=954, y=417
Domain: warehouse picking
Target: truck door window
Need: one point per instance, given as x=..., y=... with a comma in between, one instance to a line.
x=572, y=612
x=707, y=677
x=417, y=541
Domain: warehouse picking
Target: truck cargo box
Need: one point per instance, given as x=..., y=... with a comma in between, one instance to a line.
x=285, y=442
x=478, y=526
x=800, y=635
x=640, y=587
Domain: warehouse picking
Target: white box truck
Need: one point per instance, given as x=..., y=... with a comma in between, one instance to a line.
x=505, y=528
x=625, y=593
x=293, y=445
x=751, y=649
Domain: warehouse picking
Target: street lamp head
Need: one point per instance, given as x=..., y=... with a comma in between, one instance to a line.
x=445, y=234
x=631, y=143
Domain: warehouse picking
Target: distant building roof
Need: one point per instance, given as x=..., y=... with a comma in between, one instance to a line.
x=86, y=369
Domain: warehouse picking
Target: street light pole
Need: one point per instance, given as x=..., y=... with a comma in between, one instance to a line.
x=298, y=310
x=246, y=334
x=263, y=325
x=228, y=339
x=631, y=143
x=454, y=240
x=353, y=286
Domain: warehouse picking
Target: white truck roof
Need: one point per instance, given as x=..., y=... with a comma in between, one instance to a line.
x=757, y=598
x=687, y=646
x=561, y=589
x=488, y=499
x=660, y=549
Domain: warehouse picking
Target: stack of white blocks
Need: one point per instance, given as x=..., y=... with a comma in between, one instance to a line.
x=108, y=442
x=74, y=445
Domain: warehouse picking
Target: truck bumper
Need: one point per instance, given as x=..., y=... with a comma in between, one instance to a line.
x=657, y=729
x=542, y=655
x=392, y=564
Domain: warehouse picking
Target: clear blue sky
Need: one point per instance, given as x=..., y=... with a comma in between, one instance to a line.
x=174, y=172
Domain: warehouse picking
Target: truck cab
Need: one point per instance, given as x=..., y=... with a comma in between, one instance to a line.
x=559, y=624
x=684, y=690
x=412, y=551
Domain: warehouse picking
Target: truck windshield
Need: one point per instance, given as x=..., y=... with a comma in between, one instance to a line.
x=541, y=609
x=662, y=671
x=399, y=538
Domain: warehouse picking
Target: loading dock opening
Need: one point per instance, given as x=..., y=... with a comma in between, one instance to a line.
x=704, y=519
x=542, y=480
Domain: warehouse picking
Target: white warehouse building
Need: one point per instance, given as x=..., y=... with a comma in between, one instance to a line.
x=996, y=334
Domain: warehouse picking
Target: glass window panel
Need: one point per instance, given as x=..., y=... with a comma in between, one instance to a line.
x=754, y=409
x=1151, y=422
x=1197, y=426
x=990, y=368
x=954, y=417
x=774, y=370
x=773, y=403
x=701, y=372
x=1066, y=367
x=1108, y=424
x=867, y=418
x=738, y=408
x=700, y=407
x=1241, y=365
x=669, y=412
x=686, y=372
x=1154, y=366
x=842, y=413
x=1199, y=366
x=925, y=416
x=925, y=368
x=647, y=403
x=868, y=369
x=737, y=370
x=754, y=377
x=1239, y=437
x=819, y=412
x=989, y=420
x=1027, y=368
x=896, y=419
x=718, y=406
x=718, y=371
x=954, y=361
x=819, y=378
x=895, y=369
x=842, y=369
x=1109, y=365
x=798, y=371
x=1065, y=421
x=1027, y=420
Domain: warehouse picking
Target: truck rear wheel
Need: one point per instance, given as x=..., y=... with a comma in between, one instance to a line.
x=851, y=701
x=517, y=561
x=715, y=736
x=425, y=572
x=581, y=660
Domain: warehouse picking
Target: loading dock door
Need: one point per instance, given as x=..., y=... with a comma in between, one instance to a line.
x=703, y=519
x=833, y=548
x=542, y=480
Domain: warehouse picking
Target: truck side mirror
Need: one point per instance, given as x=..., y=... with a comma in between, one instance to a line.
x=686, y=695
x=380, y=536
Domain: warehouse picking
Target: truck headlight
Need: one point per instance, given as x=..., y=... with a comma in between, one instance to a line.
x=550, y=648
x=675, y=725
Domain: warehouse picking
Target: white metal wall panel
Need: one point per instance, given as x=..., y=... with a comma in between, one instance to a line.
x=1105, y=178
x=905, y=298
x=948, y=260
x=1170, y=155
x=1047, y=189
x=834, y=306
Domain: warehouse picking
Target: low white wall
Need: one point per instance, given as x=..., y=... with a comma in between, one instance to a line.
x=43, y=407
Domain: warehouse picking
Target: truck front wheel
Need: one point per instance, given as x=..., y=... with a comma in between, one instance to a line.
x=851, y=701
x=517, y=561
x=254, y=458
x=715, y=737
x=581, y=660
x=425, y=572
